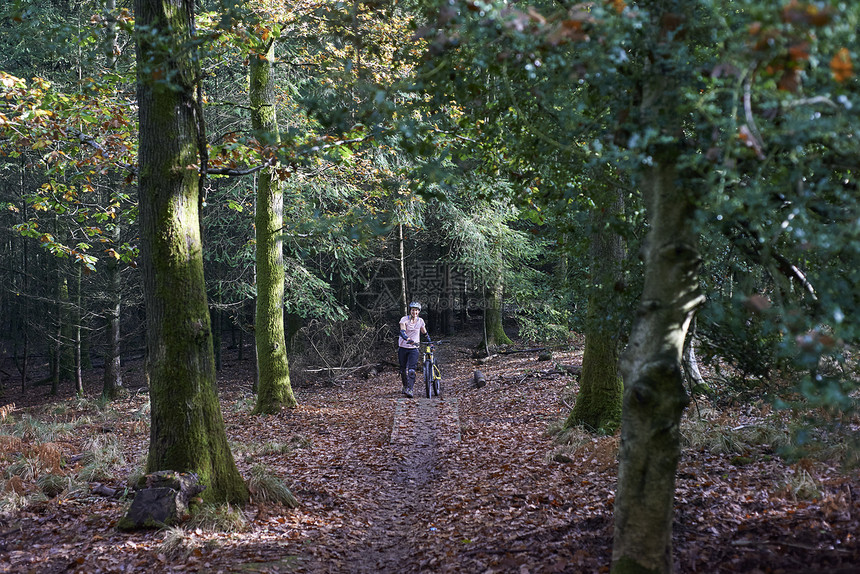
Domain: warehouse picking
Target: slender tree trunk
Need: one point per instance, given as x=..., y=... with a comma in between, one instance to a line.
x=77, y=318
x=446, y=301
x=57, y=350
x=493, y=315
x=112, y=380
x=66, y=335
x=274, y=391
x=403, y=278
x=25, y=323
x=215, y=318
x=598, y=402
x=187, y=432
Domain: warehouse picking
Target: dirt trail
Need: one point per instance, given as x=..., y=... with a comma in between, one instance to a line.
x=424, y=435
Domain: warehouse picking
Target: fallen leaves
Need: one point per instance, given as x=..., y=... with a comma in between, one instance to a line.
x=465, y=483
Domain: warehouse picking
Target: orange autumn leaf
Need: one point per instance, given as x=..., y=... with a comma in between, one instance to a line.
x=619, y=5
x=798, y=52
x=841, y=65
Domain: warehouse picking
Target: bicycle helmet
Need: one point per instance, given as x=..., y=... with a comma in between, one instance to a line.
x=415, y=305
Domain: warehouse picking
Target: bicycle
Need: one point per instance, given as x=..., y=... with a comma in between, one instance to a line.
x=432, y=375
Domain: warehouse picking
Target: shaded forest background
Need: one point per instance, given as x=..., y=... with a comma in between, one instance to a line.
x=674, y=182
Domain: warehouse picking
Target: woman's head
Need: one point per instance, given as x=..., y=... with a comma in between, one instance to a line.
x=414, y=308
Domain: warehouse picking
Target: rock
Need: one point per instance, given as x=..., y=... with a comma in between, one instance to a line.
x=162, y=500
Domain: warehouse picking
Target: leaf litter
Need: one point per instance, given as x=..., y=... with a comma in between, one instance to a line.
x=469, y=482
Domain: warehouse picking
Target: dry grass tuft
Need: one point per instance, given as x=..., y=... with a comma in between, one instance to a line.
x=718, y=433
x=178, y=543
x=6, y=411
x=218, y=518
x=578, y=443
x=53, y=485
x=10, y=445
x=267, y=488
x=799, y=484
x=103, y=455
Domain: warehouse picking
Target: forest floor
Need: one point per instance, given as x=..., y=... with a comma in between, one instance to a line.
x=469, y=482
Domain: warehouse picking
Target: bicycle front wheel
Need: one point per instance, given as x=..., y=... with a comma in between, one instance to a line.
x=428, y=378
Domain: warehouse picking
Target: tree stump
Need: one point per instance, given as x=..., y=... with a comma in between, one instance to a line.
x=162, y=499
x=479, y=379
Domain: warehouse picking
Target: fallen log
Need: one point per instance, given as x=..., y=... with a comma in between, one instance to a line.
x=479, y=379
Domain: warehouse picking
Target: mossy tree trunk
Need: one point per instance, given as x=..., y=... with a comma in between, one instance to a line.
x=598, y=402
x=187, y=432
x=494, y=332
x=274, y=391
x=654, y=395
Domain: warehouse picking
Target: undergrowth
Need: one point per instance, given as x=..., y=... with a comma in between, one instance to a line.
x=266, y=488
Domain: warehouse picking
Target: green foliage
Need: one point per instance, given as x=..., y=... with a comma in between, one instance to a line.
x=749, y=342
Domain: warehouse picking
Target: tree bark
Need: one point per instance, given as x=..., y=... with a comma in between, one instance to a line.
x=494, y=332
x=446, y=300
x=598, y=402
x=274, y=391
x=112, y=379
x=77, y=317
x=654, y=395
x=403, y=278
x=187, y=432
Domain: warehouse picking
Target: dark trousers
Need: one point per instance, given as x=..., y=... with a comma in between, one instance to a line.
x=408, y=359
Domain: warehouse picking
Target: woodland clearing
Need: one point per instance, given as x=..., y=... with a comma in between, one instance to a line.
x=473, y=481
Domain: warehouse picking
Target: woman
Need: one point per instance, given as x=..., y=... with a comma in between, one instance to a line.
x=411, y=328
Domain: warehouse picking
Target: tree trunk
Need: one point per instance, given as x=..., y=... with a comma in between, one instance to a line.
x=77, y=317
x=187, y=432
x=57, y=350
x=446, y=301
x=494, y=332
x=598, y=402
x=654, y=396
x=25, y=265
x=112, y=381
x=67, y=328
x=403, y=278
x=274, y=391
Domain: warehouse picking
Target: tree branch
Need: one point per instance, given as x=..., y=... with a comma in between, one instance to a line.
x=786, y=267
